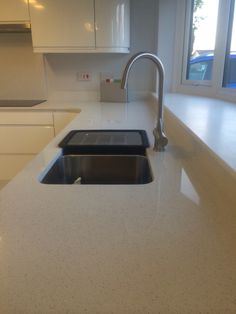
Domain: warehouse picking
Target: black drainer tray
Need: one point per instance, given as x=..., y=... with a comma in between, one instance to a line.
x=105, y=141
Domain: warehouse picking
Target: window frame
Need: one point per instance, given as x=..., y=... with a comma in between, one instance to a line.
x=229, y=37
x=187, y=37
x=212, y=88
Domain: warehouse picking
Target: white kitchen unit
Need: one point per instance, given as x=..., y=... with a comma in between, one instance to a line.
x=112, y=24
x=62, y=25
x=25, y=118
x=14, y=11
x=24, y=134
x=80, y=26
x=25, y=139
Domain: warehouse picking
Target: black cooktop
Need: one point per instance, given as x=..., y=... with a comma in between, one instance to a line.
x=20, y=103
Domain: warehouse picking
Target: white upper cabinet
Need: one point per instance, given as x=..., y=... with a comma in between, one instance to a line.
x=112, y=24
x=80, y=25
x=62, y=25
x=14, y=11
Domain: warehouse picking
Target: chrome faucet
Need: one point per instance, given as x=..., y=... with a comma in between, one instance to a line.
x=158, y=132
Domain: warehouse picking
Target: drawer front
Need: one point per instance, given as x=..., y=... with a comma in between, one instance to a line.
x=14, y=11
x=24, y=139
x=10, y=165
x=26, y=118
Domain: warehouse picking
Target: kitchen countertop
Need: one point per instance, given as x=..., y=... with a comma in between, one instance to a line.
x=211, y=120
x=165, y=247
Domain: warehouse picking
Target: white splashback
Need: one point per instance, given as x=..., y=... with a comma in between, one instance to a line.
x=22, y=71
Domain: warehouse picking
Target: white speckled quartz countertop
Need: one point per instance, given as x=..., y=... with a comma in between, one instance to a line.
x=211, y=120
x=166, y=247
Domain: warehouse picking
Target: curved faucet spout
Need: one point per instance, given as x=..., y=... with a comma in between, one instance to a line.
x=159, y=135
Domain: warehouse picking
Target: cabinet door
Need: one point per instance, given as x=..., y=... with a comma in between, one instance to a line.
x=112, y=23
x=26, y=118
x=24, y=139
x=62, y=23
x=14, y=11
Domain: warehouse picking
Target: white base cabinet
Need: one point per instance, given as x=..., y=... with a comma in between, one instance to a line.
x=14, y=11
x=24, y=139
x=26, y=118
x=25, y=134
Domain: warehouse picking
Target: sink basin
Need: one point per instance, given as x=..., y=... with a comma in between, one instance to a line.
x=99, y=169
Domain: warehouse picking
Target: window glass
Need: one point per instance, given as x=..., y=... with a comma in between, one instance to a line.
x=200, y=70
x=230, y=60
x=202, y=39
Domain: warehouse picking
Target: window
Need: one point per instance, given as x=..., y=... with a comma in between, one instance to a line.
x=202, y=37
x=230, y=58
x=206, y=60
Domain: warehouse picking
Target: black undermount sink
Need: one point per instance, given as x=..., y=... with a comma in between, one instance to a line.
x=82, y=164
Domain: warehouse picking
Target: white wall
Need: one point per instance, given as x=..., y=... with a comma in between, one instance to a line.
x=22, y=71
x=166, y=38
x=61, y=69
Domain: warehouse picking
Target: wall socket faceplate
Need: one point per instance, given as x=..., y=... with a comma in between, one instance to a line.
x=84, y=76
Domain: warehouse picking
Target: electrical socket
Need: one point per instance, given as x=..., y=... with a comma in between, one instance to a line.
x=84, y=76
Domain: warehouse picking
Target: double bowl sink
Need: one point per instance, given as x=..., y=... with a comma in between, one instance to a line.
x=101, y=157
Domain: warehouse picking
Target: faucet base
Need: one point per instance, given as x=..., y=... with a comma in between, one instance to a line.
x=160, y=140
x=158, y=148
